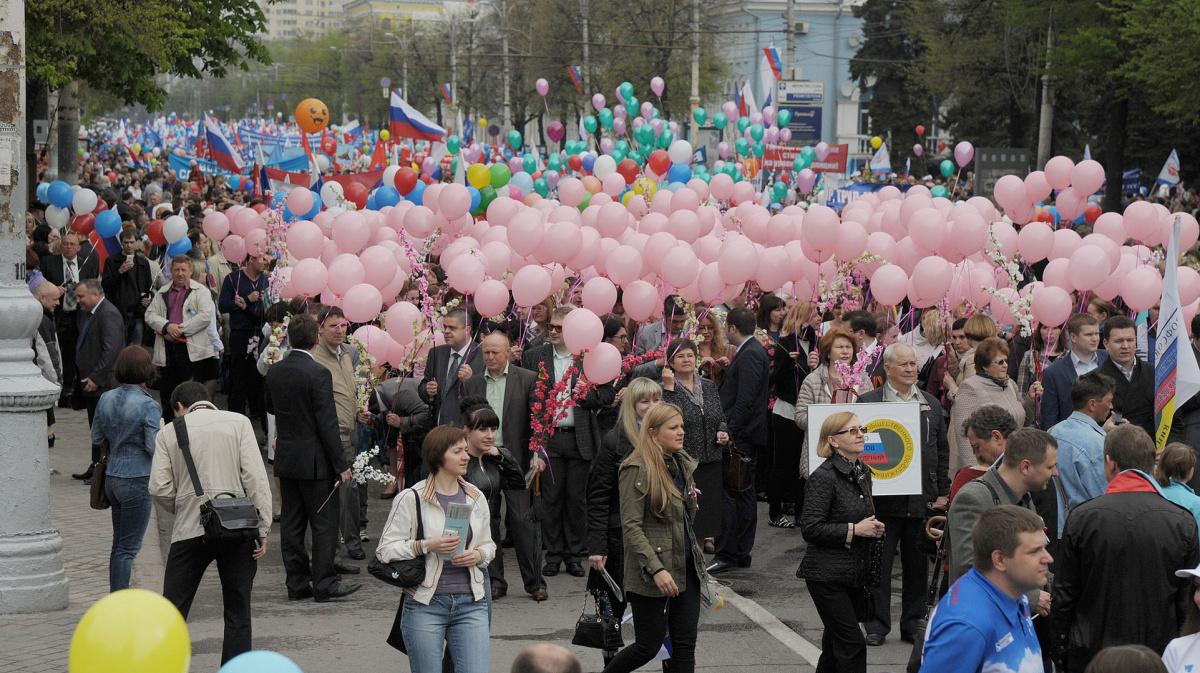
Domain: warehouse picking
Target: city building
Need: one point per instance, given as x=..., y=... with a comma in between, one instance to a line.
x=302, y=18
x=389, y=14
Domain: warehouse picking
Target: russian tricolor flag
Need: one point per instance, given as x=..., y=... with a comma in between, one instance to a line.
x=574, y=70
x=220, y=149
x=446, y=93
x=775, y=63
x=406, y=122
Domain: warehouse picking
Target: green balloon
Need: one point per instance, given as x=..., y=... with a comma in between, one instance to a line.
x=606, y=118
x=539, y=186
x=453, y=143
x=514, y=139
x=636, y=156
x=626, y=90
x=779, y=191
x=742, y=145
x=500, y=175
x=453, y=165
x=644, y=134
x=665, y=138
x=756, y=131
x=631, y=104
x=947, y=168
x=656, y=115
x=587, y=197
x=706, y=178
x=808, y=154
x=743, y=123
x=622, y=146
x=554, y=163
x=783, y=118
x=569, y=146
x=529, y=163
x=590, y=124
x=617, y=155
x=700, y=115
x=759, y=149
x=939, y=191
x=799, y=164
x=720, y=120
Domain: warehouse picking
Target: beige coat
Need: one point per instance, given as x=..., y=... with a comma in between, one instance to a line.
x=976, y=392
x=226, y=454
x=197, y=315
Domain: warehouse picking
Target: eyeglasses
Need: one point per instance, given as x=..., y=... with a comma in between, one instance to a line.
x=622, y=337
x=859, y=430
x=555, y=328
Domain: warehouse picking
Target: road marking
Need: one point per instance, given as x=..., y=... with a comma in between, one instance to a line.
x=771, y=624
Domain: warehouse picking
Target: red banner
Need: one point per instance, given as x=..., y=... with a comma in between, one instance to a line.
x=783, y=158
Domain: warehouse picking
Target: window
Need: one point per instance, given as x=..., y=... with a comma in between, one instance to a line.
x=864, y=118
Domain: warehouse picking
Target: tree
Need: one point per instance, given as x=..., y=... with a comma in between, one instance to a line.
x=121, y=46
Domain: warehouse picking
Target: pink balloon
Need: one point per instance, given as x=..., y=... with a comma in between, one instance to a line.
x=1036, y=187
x=309, y=277
x=531, y=285
x=1087, y=177
x=1088, y=267
x=602, y=364
x=1066, y=241
x=714, y=290
x=657, y=86
x=1010, y=192
x=491, y=298
x=640, y=300
x=582, y=330
x=300, y=201
x=888, y=284
x=624, y=264
x=404, y=320
x=1051, y=305
x=918, y=149
x=1189, y=285
x=464, y=273
x=1000, y=308
x=932, y=276
x=454, y=201
x=362, y=303
x=738, y=261
x=216, y=225
x=928, y=229
x=1058, y=172
x=525, y=232
x=821, y=225
x=571, y=192
x=233, y=248
x=1070, y=204
x=852, y=241
x=542, y=86
x=721, y=186
x=256, y=243
x=963, y=153
x=1035, y=241
x=344, y=273
x=380, y=264
x=350, y=232
x=1057, y=273
x=246, y=221
x=562, y=241
x=599, y=295
x=1141, y=221
x=419, y=222
x=1142, y=288
x=305, y=240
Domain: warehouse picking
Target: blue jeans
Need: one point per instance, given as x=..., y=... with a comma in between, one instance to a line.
x=131, y=503
x=451, y=623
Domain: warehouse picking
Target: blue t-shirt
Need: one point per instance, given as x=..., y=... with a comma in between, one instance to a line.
x=977, y=627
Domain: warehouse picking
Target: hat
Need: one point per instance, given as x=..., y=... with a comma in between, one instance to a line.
x=1189, y=572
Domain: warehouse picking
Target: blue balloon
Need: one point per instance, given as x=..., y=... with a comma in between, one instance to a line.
x=679, y=173
x=386, y=196
x=235, y=182
x=316, y=209
x=248, y=185
x=1053, y=211
x=43, y=191
x=179, y=247
x=588, y=162
x=475, y=197
x=523, y=181
x=675, y=186
x=417, y=195
x=60, y=194
x=260, y=661
x=372, y=204
x=108, y=223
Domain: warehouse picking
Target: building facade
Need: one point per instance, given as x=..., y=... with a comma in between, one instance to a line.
x=302, y=18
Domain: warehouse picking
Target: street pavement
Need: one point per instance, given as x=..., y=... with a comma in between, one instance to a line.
x=768, y=623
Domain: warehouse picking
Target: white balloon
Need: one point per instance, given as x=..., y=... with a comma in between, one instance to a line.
x=175, y=229
x=57, y=217
x=604, y=166
x=332, y=194
x=680, y=152
x=389, y=175
x=84, y=201
x=322, y=163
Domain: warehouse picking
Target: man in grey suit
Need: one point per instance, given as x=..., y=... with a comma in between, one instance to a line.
x=509, y=390
x=101, y=338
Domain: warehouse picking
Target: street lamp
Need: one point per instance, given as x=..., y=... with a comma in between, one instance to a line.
x=405, y=42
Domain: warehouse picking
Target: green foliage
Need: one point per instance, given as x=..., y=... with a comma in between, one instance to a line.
x=122, y=46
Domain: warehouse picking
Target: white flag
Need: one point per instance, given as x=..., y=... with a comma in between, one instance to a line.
x=1176, y=374
x=1169, y=175
x=881, y=162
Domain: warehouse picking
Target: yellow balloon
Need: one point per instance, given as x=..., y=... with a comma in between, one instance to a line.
x=876, y=142
x=131, y=631
x=479, y=176
x=137, y=149
x=483, y=123
x=625, y=198
x=384, y=135
x=645, y=187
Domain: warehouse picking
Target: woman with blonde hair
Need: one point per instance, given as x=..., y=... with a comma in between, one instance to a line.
x=714, y=353
x=664, y=567
x=838, y=523
x=824, y=385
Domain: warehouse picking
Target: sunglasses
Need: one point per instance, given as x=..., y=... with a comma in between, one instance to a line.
x=859, y=430
x=555, y=328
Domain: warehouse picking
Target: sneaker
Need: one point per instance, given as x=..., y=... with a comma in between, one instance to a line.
x=362, y=535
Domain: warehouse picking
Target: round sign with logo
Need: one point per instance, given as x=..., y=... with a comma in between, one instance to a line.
x=888, y=448
x=385, y=82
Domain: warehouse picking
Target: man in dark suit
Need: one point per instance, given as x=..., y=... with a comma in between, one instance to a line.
x=903, y=516
x=449, y=366
x=865, y=330
x=570, y=450
x=1133, y=398
x=308, y=463
x=509, y=390
x=66, y=271
x=101, y=338
x=1186, y=426
x=1057, y=379
x=744, y=392
x=127, y=282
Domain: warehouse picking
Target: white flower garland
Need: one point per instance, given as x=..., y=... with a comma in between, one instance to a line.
x=274, y=352
x=363, y=471
x=1020, y=307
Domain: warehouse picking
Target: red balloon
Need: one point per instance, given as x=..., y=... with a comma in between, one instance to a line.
x=1044, y=215
x=536, y=175
x=1091, y=214
x=83, y=224
x=357, y=194
x=329, y=146
x=660, y=162
x=155, y=233
x=628, y=169
x=920, y=130
x=785, y=177
x=575, y=162
x=941, y=146
x=406, y=180
x=101, y=206
x=426, y=179
x=259, y=208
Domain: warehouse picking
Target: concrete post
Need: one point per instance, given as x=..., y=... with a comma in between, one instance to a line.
x=32, y=578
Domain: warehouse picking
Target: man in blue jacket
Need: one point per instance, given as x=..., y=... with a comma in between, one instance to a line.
x=1057, y=379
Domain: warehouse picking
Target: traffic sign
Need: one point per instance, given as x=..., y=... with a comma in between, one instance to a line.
x=385, y=82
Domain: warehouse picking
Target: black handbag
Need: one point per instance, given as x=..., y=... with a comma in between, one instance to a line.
x=99, y=497
x=735, y=470
x=396, y=635
x=597, y=630
x=227, y=518
x=408, y=572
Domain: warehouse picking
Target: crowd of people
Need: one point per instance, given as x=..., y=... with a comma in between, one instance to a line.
x=1037, y=451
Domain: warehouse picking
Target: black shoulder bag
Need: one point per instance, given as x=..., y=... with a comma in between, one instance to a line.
x=226, y=517
x=408, y=572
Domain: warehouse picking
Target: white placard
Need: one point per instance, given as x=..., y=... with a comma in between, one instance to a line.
x=893, y=443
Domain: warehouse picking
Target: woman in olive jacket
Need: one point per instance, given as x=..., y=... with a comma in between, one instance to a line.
x=664, y=568
x=837, y=522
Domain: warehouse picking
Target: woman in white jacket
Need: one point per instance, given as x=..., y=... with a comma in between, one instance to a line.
x=448, y=611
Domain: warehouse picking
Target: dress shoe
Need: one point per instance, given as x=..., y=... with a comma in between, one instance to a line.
x=356, y=553
x=498, y=593
x=508, y=543
x=87, y=482
x=719, y=567
x=916, y=630
x=575, y=569
x=50, y=440
x=540, y=595
x=300, y=595
x=336, y=591
x=86, y=474
x=875, y=639
x=345, y=569
x=276, y=517
x=550, y=569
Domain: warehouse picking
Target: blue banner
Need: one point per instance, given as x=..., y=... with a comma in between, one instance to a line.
x=183, y=165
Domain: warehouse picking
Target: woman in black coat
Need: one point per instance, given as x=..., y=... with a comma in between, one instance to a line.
x=789, y=366
x=839, y=525
x=704, y=431
x=603, y=497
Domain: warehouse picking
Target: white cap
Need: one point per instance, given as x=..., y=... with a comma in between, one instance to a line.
x=1188, y=572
